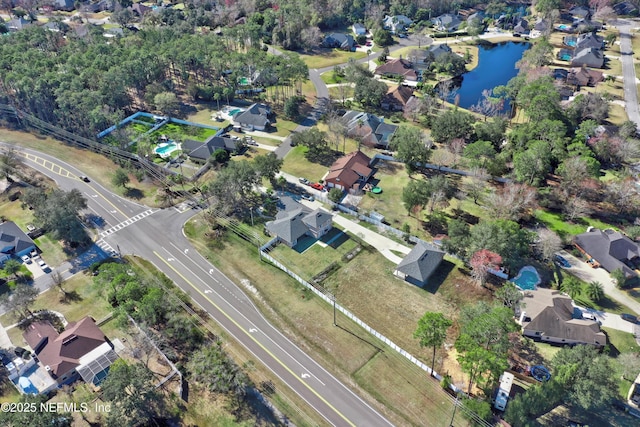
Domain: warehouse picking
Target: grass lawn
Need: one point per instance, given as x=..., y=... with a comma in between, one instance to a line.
x=98, y=167
x=555, y=222
x=330, y=78
x=283, y=126
x=330, y=57
x=181, y=132
x=393, y=178
x=313, y=260
x=296, y=164
x=547, y=351
x=83, y=300
x=622, y=342
x=352, y=354
x=617, y=114
x=336, y=93
x=12, y=211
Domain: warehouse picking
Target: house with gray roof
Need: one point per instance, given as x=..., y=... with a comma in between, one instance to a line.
x=521, y=27
x=370, y=129
x=552, y=318
x=446, y=22
x=396, y=23
x=419, y=264
x=609, y=248
x=340, y=41
x=359, y=29
x=199, y=151
x=18, y=24
x=14, y=241
x=475, y=18
x=588, y=40
x=256, y=117
x=437, y=50
x=297, y=221
x=590, y=57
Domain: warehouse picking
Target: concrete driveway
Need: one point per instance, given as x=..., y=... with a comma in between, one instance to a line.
x=583, y=271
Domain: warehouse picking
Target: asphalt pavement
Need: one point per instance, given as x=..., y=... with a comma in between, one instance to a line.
x=130, y=228
x=628, y=70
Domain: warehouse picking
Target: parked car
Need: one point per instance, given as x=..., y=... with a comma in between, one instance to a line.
x=33, y=254
x=43, y=265
x=308, y=197
x=368, y=44
x=562, y=261
x=402, y=36
x=629, y=317
x=26, y=259
x=304, y=181
x=317, y=186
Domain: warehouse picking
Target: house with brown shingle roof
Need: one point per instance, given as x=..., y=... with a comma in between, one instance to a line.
x=80, y=351
x=583, y=76
x=350, y=173
x=396, y=98
x=397, y=68
x=551, y=317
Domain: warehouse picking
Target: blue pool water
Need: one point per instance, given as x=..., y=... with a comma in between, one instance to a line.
x=527, y=279
x=165, y=149
x=571, y=43
x=563, y=27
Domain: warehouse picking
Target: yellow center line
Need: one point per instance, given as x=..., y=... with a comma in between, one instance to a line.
x=255, y=340
x=44, y=162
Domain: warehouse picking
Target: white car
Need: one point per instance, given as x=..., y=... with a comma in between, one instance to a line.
x=26, y=259
x=43, y=265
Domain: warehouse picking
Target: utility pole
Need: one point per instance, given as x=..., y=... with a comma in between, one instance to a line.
x=454, y=411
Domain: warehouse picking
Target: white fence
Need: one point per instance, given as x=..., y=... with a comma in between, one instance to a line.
x=329, y=299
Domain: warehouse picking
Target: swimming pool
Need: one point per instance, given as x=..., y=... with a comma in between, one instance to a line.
x=165, y=149
x=527, y=279
x=564, y=27
x=571, y=43
x=566, y=57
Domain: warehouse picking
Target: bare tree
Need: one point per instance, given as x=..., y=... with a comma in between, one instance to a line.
x=575, y=207
x=622, y=194
x=548, y=243
x=338, y=130
x=513, y=202
x=59, y=281
x=456, y=147
x=476, y=185
x=311, y=37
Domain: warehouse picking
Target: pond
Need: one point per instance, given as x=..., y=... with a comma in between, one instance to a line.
x=496, y=66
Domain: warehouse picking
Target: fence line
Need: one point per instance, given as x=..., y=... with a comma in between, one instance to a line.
x=330, y=299
x=156, y=172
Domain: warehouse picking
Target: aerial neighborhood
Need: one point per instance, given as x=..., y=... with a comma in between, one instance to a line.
x=307, y=213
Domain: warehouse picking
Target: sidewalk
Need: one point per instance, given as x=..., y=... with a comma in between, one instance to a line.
x=383, y=244
x=5, y=342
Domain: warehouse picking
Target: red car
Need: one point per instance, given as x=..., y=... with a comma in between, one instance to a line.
x=317, y=186
x=368, y=44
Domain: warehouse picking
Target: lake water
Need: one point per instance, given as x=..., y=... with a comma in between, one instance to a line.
x=496, y=66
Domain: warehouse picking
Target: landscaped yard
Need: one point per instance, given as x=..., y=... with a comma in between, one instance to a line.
x=314, y=259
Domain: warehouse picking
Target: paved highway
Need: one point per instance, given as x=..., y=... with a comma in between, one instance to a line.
x=157, y=236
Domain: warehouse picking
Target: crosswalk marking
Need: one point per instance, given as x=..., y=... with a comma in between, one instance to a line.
x=127, y=222
x=107, y=248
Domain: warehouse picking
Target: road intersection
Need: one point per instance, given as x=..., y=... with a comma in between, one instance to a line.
x=156, y=235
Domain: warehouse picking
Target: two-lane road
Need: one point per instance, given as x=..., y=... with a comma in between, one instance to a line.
x=157, y=236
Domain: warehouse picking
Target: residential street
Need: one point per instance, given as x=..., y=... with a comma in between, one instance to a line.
x=628, y=70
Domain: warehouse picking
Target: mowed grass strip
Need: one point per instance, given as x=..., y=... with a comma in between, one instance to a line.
x=305, y=319
x=98, y=167
x=390, y=379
